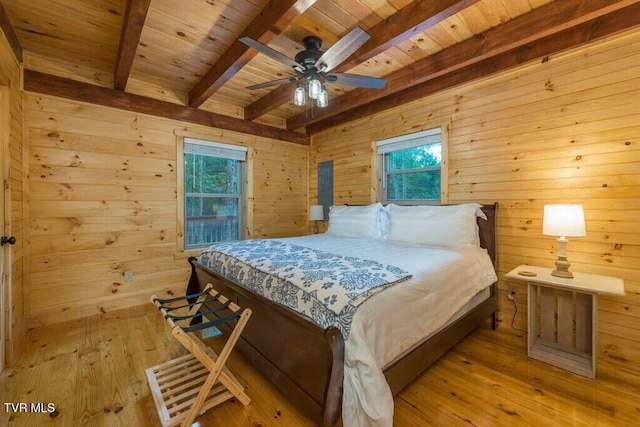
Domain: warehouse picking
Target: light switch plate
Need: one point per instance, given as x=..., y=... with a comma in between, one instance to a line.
x=128, y=276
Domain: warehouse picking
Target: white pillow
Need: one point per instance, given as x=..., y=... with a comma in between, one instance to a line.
x=451, y=226
x=384, y=222
x=356, y=221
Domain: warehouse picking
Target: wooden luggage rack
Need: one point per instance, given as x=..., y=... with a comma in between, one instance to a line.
x=188, y=385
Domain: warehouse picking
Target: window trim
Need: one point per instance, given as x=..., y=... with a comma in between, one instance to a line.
x=244, y=197
x=432, y=135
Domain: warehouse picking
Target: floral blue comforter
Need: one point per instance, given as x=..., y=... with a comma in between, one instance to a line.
x=323, y=286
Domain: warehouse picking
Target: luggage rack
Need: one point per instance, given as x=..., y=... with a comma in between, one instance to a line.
x=189, y=385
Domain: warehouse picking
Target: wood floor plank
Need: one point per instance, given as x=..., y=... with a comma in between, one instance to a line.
x=92, y=370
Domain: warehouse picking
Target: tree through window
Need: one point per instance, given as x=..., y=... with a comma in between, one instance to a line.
x=412, y=167
x=213, y=192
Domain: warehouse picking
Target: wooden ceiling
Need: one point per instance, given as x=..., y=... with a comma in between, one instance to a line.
x=182, y=59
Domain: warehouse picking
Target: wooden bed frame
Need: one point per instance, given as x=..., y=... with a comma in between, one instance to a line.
x=306, y=362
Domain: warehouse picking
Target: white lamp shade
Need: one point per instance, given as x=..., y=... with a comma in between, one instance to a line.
x=563, y=220
x=316, y=213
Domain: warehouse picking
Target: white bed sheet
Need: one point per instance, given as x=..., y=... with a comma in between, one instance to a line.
x=396, y=319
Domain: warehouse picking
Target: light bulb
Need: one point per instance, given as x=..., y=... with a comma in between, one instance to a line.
x=314, y=88
x=299, y=96
x=323, y=98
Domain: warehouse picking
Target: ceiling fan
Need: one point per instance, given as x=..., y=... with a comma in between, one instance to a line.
x=314, y=66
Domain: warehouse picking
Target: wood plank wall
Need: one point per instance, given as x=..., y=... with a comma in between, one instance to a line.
x=10, y=71
x=556, y=131
x=102, y=200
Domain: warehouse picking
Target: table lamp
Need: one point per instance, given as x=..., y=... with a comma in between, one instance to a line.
x=316, y=213
x=563, y=220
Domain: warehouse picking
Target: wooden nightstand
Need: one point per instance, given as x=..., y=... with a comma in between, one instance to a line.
x=563, y=314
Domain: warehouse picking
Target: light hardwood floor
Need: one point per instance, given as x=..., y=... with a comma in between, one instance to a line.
x=92, y=370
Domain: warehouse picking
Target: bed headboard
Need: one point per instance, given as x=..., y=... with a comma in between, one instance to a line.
x=488, y=232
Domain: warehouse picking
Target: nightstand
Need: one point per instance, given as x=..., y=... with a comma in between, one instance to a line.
x=562, y=321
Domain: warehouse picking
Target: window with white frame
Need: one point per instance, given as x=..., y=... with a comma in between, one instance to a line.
x=412, y=167
x=212, y=192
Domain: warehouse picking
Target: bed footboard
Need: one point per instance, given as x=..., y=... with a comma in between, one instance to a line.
x=309, y=375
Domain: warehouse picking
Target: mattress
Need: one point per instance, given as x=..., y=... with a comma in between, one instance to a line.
x=445, y=284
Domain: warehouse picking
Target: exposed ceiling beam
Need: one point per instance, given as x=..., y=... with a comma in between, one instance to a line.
x=408, y=21
x=412, y=19
x=587, y=32
x=134, y=19
x=548, y=19
x=277, y=97
x=7, y=29
x=271, y=21
x=58, y=86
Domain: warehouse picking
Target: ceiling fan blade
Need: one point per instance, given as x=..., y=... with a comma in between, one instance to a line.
x=342, y=49
x=271, y=53
x=356, y=80
x=273, y=83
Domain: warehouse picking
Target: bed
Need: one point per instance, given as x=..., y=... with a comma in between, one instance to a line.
x=316, y=368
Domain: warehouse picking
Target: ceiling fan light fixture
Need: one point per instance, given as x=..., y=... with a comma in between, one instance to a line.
x=314, y=88
x=313, y=66
x=323, y=98
x=299, y=96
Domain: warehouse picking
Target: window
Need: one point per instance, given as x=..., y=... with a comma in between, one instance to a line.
x=412, y=168
x=212, y=192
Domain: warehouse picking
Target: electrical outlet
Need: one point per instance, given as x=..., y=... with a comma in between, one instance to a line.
x=128, y=276
x=512, y=293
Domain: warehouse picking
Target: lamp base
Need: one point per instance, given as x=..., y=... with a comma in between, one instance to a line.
x=315, y=227
x=562, y=268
